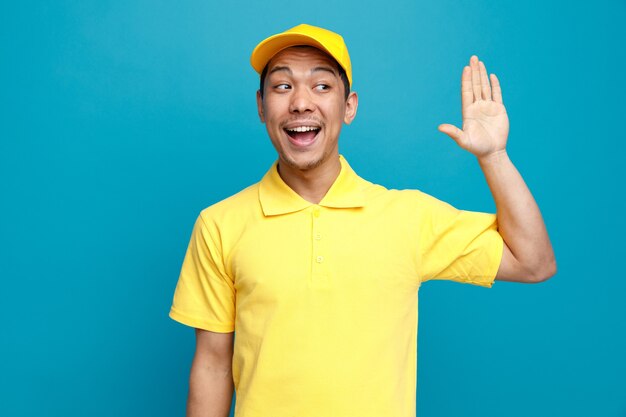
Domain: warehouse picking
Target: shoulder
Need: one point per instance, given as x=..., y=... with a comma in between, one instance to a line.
x=407, y=198
x=223, y=223
x=241, y=204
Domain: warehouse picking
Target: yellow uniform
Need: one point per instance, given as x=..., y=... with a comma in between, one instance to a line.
x=323, y=297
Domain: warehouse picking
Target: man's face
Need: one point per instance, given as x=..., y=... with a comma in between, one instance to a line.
x=303, y=107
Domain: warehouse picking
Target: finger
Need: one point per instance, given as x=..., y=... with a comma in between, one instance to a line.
x=467, y=94
x=497, y=90
x=484, y=81
x=476, y=87
x=454, y=132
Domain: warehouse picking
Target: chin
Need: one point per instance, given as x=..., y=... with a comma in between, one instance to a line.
x=304, y=165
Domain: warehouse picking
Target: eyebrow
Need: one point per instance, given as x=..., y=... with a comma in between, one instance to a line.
x=328, y=69
x=279, y=68
x=288, y=70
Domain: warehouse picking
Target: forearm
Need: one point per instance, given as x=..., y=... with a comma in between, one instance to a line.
x=519, y=221
x=210, y=389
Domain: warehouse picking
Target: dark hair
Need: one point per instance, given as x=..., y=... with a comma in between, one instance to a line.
x=342, y=75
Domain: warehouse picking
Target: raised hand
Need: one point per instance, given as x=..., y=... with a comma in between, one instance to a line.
x=485, y=122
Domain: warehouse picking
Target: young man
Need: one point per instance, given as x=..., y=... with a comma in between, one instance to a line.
x=317, y=270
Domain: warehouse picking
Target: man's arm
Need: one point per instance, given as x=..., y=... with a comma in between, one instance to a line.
x=527, y=255
x=211, y=377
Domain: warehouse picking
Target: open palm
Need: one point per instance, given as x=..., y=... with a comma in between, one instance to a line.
x=485, y=122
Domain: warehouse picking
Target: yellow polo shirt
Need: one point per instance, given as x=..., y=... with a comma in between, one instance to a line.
x=323, y=297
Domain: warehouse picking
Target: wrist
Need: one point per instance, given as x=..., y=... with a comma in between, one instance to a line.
x=493, y=158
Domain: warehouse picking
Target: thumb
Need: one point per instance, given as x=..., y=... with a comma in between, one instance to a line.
x=452, y=131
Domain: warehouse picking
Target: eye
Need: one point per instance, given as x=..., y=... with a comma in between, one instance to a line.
x=282, y=86
x=322, y=87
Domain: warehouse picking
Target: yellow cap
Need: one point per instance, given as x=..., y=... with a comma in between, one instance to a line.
x=323, y=39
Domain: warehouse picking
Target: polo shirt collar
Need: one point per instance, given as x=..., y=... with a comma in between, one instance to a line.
x=277, y=198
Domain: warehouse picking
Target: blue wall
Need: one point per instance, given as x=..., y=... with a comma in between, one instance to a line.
x=121, y=120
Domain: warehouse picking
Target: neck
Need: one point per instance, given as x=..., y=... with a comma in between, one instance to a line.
x=311, y=184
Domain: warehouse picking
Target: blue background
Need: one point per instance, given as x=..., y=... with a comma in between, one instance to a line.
x=121, y=120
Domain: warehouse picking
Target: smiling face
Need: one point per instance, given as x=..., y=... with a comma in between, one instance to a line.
x=303, y=108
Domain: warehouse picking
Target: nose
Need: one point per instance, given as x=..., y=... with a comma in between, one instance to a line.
x=301, y=101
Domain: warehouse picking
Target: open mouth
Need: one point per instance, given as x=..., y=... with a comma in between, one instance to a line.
x=302, y=135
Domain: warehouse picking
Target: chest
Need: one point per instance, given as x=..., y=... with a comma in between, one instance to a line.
x=341, y=250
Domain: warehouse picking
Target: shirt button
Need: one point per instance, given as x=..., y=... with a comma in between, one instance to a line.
x=319, y=259
x=316, y=212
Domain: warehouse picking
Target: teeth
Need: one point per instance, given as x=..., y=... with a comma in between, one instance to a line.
x=302, y=129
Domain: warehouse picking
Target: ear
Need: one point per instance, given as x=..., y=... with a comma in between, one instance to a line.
x=351, y=105
x=259, y=106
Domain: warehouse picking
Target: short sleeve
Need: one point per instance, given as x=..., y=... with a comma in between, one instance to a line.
x=457, y=245
x=205, y=294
